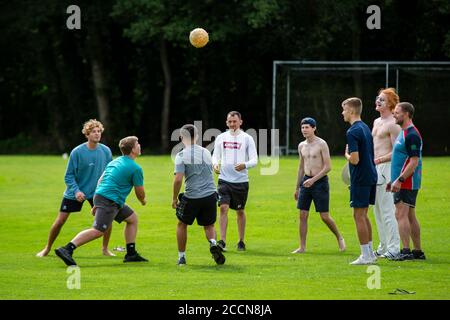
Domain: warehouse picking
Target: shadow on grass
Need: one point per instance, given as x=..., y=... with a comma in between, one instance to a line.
x=227, y=268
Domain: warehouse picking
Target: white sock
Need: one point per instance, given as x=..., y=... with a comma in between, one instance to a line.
x=370, y=246
x=213, y=241
x=181, y=254
x=365, y=250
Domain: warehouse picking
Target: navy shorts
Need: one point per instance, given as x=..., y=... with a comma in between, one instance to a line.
x=319, y=192
x=408, y=197
x=362, y=196
x=202, y=209
x=69, y=205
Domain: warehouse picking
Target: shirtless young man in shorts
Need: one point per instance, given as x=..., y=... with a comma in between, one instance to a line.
x=312, y=182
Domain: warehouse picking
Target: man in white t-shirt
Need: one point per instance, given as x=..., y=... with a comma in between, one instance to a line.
x=234, y=153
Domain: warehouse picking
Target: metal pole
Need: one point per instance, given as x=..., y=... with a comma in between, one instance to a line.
x=274, y=91
x=288, y=101
x=387, y=75
x=396, y=82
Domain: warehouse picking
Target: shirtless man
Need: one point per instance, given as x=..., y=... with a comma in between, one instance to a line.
x=312, y=182
x=385, y=132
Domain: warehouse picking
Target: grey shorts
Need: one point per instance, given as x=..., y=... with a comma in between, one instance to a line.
x=107, y=211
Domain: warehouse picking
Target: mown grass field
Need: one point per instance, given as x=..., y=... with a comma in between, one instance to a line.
x=31, y=189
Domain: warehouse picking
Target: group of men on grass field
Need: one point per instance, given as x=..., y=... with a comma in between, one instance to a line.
x=385, y=168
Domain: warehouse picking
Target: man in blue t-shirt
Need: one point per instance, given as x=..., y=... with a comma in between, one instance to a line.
x=199, y=200
x=359, y=153
x=120, y=176
x=406, y=176
x=86, y=164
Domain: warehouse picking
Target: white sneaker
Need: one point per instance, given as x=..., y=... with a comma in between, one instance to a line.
x=362, y=261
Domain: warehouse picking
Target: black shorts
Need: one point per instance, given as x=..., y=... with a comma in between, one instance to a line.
x=362, y=196
x=69, y=205
x=319, y=192
x=408, y=197
x=233, y=194
x=202, y=209
x=107, y=212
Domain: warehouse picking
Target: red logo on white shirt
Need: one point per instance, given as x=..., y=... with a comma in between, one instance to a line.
x=231, y=145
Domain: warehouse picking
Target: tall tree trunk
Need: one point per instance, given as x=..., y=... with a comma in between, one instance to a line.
x=100, y=90
x=99, y=78
x=167, y=93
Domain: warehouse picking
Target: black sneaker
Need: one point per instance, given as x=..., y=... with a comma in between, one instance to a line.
x=418, y=254
x=181, y=261
x=379, y=255
x=217, y=254
x=134, y=258
x=65, y=256
x=406, y=254
x=221, y=245
x=241, y=246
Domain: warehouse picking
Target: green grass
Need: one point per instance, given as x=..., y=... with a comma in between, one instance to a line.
x=31, y=190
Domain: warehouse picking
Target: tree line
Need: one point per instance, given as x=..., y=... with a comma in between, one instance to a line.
x=132, y=67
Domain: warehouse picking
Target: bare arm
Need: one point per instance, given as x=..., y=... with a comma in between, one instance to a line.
x=140, y=194
x=301, y=168
x=177, y=182
x=300, y=172
x=407, y=172
x=353, y=157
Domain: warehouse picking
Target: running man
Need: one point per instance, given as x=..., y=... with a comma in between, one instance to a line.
x=384, y=133
x=120, y=176
x=359, y=153
x=234, y=153
x=312, y=182
x=86, y=164
x=406, y=177
x=199, y=201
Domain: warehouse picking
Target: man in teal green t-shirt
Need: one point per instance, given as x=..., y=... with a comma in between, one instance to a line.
x=120, y=176
x=86, y=164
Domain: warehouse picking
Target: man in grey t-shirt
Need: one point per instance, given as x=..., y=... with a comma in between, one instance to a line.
x=199, y=201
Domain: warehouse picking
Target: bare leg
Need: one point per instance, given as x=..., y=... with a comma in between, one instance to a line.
x=326, y=218
x=369, y=226
x=86, y=236
x=106, y=237
x=360, y=216
x=415, y=228
x=241, y=221
x=223, y=221
x=303, y=230
x=54, y=232
x=404, y=228
x=210, y=232
x=181, y=236
x=131, y=228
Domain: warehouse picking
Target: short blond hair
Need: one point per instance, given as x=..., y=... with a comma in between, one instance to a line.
x=89, y=125
x=127, y=144
x=354, y=103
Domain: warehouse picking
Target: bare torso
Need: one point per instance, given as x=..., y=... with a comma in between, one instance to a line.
x=312, y=156
x=384, y=132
